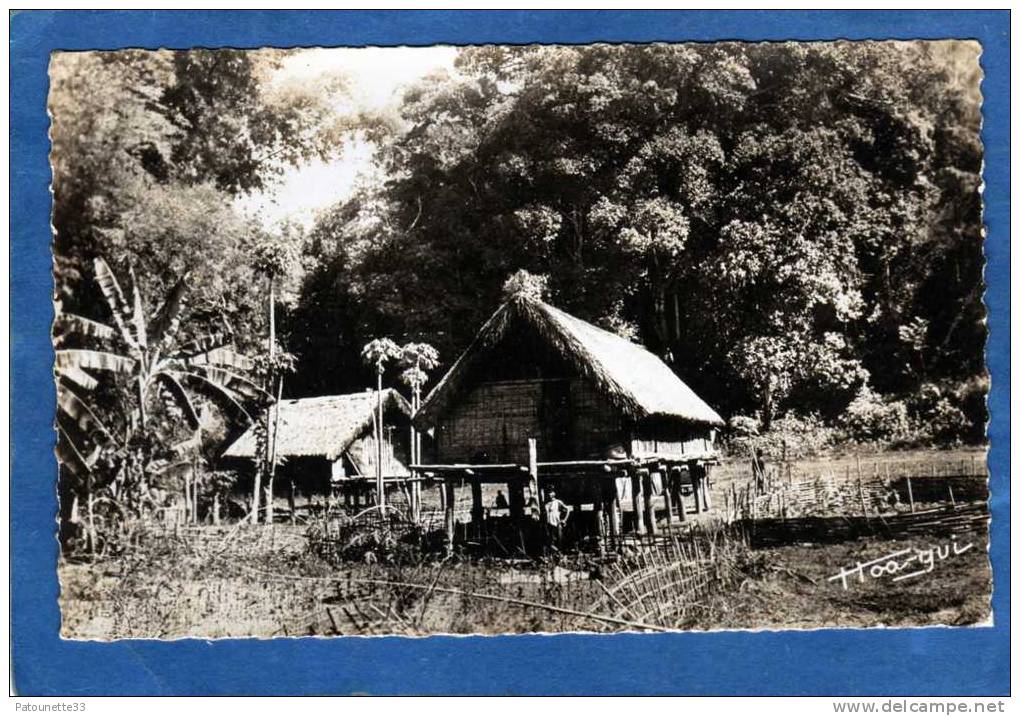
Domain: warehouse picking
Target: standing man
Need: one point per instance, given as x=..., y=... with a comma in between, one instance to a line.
x=556, y=513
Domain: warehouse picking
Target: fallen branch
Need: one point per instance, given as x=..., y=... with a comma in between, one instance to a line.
x=460, y=592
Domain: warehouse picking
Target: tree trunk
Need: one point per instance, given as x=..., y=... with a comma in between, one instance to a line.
x=272, y=450
x=187, y=498
x=271, y=348
x=92, y=519
x=379, y=484
x=768, y=403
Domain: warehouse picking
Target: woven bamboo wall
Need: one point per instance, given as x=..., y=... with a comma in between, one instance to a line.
x=671, y=437
x=569, y=419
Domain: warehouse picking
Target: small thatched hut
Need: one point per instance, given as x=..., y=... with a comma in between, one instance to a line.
x=327, y=439
x=573, y=407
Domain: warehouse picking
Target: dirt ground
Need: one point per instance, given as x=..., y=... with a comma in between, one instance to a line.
x=790, y=588
x=291, y=592
x=265, y=581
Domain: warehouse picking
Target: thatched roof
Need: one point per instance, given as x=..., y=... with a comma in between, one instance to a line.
x=633, y=379
x=322, y=427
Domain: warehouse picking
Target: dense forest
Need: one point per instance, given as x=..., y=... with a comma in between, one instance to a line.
x=794, y=228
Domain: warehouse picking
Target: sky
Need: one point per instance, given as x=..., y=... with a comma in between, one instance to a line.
x=377, y=76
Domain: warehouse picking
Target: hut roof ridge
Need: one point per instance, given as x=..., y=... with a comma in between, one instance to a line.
x=635, y=379
x=321, y=426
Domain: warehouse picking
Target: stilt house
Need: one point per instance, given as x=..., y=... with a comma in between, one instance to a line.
x=331, y=438
x=534, y=371
x=573, y=407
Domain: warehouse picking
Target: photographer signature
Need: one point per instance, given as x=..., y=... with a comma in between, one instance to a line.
x=896, y=564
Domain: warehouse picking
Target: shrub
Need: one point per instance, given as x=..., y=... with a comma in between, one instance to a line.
x=871, y=417
x=791, y=436
x=949, y=414
x=743, y=426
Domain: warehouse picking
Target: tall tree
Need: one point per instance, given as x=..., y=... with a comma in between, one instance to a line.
x=766, y=217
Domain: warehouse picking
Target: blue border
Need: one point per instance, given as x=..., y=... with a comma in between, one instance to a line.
x=878, y=662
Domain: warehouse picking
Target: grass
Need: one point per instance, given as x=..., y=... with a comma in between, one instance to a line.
x=789, y=588
x=264, y=581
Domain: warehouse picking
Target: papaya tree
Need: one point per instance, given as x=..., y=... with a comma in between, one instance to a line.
x=417, y=359
x=377, y=353
x=274, y=258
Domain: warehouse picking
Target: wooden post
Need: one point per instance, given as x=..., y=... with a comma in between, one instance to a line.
x=695, y=474
x=706, y=483
x=667, y=494
x=477, y=508
x=416, y=497
x=449, y=515
x=951, y=498
x=636, y=501
x=910, y=493
x=678, y=484
x=216, y=508
x=515, y=493
x=600, y=525
x=649, y=505
x=860, y=490
x=613, y=505
x=290, y=499
x=536, y=488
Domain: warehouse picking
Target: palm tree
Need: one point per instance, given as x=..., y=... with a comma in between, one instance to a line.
x=144, y=354
x=377, y=352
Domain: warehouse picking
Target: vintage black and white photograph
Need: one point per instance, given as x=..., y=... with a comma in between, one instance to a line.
x=511, y=339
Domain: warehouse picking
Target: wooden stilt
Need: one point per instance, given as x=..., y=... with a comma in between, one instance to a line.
x=667, y=493
x=649, y=504
x=707, y=486
x=477, y=509
x=637, y=500
x=696, y=483
x=449, y=515
x=536, y=489
x=612, y=502
x=600, y=524
x=290, y=500
x=515, y=495
x=910, y=493
x=678, y=490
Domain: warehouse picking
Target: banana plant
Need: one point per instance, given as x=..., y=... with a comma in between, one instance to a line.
x=141, y=352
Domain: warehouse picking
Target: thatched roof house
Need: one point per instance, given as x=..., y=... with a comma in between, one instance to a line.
x=333, y=436
x=535, y=371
